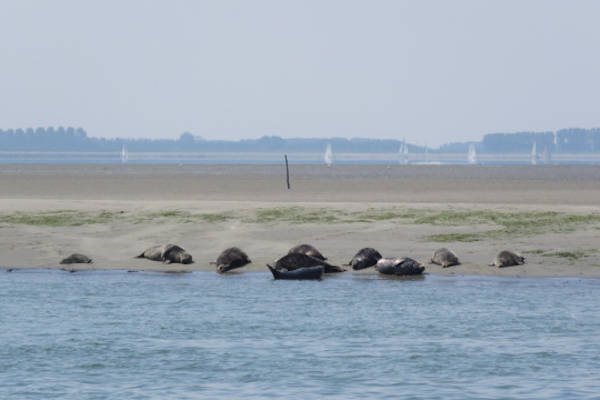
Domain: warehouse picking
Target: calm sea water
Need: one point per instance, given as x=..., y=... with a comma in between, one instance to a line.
x=276, y=158
x=118, y=335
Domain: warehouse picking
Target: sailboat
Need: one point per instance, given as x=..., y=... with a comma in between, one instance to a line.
x=328, y=157
x=124, y=154
x=472, y=156
x=534, y=155
x=403, y=152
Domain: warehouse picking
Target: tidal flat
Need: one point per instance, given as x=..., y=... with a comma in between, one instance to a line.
x=111, y=213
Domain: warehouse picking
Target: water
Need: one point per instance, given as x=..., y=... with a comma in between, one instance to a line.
x=118, y=335
x=276, y=158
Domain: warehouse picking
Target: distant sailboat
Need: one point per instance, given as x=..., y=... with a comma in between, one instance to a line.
x=472, y=156
x=534, y=155
x=328, y=157
x=403, y=151
x=124, y=154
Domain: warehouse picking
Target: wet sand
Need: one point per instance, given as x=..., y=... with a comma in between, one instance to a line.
x=146, y=204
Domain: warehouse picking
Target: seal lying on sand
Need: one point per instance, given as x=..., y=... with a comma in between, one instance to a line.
x=507, y=259
x=76, y=258
x=399, y=266
x=231, y=258
x=168, y=253
x=304, y=273
x=309, y=250
x=294, y=261
x=444, y=257
x=365, y=258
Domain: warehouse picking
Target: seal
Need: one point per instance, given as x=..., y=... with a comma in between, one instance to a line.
x=444, y=257
x=507, y=259
x=304, y=273
x=167, y=253
x=231, y=258
x=365, y=258
x=76, y=258
x=309, y=250
x=293, y=261
x=399, y=266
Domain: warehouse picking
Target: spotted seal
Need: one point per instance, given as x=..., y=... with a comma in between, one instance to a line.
x=167, y=253
x=444, y=257
x=507, y=259
x=399, y=266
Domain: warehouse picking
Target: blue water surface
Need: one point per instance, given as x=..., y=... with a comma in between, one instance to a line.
x=119, y=335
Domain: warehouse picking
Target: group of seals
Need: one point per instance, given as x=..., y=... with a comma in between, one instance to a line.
x=306, y=262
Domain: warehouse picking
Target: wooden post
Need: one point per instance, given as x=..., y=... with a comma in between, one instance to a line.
x=287, y=171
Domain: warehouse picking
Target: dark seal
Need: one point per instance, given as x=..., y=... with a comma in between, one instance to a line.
x=304, y=273
x=294, y=261
x=365, y=258
x=76, y=258
x=231, y=258
x=309, y=250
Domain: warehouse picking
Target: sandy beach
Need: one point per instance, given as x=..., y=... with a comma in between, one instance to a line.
x=550, y=214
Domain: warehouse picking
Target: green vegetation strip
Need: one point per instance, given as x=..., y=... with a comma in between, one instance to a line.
x=499, y=224
x=58, y=218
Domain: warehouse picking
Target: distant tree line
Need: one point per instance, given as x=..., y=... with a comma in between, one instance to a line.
x=76, y=139
x=573, y=140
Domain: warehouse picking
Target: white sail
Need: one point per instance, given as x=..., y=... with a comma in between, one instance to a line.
x=534, y=155
x=472, y=156
x=124, y=154
x=328, y=157
x=403, y=152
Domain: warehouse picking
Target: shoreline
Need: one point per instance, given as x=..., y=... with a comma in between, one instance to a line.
x=238, y=273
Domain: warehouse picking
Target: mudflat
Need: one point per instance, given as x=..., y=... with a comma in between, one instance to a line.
x=550, y=214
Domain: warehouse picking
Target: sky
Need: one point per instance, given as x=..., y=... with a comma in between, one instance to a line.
x=429, y=71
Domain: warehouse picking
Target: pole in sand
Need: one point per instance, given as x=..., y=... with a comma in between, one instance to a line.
x=287, y=171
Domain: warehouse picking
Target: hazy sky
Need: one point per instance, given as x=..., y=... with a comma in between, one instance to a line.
x=429, y=71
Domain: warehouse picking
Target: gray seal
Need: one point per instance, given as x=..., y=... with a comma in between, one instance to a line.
x=293, y=261
x=365, y=258
x=399, y=266
x=507, y=259
x=76, y=258
x=167, y=253
x=309, y=250
x=231, y=258
x=444, y=257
